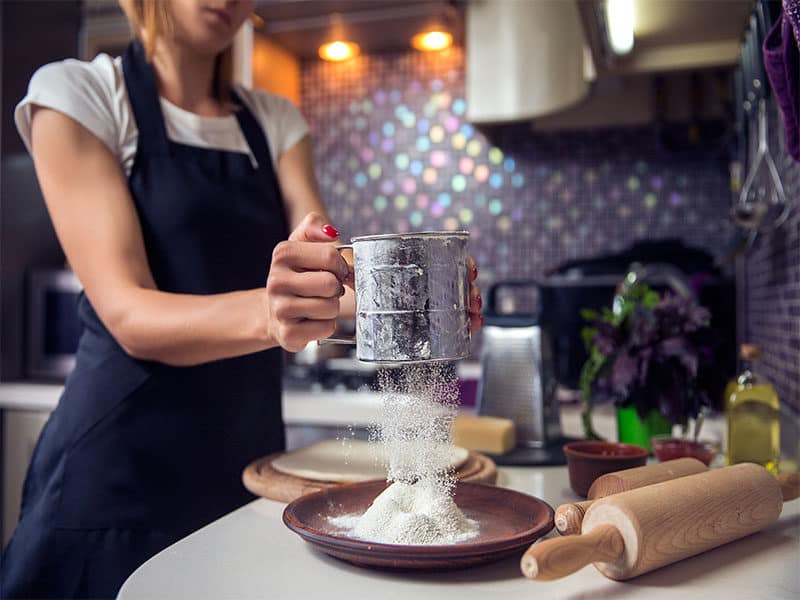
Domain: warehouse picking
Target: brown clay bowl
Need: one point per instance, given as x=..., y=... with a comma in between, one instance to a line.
x=666, y=447
x=509, y=522
x=588, y=460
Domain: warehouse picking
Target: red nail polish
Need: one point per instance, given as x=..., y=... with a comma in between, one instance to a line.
x=480, y=301
x=330, y=231
x=475, y=272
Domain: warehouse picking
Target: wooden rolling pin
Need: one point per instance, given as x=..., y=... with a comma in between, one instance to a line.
x=634, y=532
x=568, y=517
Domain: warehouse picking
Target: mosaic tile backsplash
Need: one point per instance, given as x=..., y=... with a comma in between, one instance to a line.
x=395, y=153
x=772, y=285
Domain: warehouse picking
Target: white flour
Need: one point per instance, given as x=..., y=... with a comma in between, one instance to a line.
x=419, y=404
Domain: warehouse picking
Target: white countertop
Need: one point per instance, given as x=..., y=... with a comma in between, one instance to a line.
x=324, y=408
x=29, y=396
x=306, y=407
x=251, y=554
x=309, y=407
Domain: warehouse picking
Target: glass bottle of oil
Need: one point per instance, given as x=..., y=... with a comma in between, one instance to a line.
x=753, y=415
x=730, y=387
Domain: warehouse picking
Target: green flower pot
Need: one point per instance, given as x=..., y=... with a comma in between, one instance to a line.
x=633, y=430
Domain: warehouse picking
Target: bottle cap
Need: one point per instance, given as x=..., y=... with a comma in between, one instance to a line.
x=750, y=351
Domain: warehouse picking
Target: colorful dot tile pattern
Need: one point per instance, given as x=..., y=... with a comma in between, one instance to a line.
x=771, y=285
x=394, y=153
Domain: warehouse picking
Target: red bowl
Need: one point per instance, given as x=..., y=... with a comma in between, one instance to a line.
x=666, y=448
x=588, y=460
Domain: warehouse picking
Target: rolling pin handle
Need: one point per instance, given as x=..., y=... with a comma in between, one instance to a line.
x=569, y=517
x=790, y=485
x=559, y=557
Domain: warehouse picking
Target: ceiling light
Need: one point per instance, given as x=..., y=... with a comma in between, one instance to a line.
x=620, y=17
x=338, y=51
x=256, y=21
x=428, y=41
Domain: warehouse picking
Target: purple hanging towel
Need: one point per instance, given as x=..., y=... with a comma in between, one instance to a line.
x=782, y=63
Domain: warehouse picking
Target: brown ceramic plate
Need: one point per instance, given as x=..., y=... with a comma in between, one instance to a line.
x=509, y=522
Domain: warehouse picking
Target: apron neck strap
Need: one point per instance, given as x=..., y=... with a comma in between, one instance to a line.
x=253, y=134
x=143, y=95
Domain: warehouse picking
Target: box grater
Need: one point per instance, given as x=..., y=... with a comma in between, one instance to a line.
x=518, y=381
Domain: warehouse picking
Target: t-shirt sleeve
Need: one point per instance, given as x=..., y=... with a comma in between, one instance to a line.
x=82, y=91
x=280, y=119
x=293, y=125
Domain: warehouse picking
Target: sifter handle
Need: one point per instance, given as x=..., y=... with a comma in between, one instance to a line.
x=790, y=485
x=559, y=557
x=350, y=340
x=568, y=517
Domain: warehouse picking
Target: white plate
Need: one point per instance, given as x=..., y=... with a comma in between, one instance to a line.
x=344, y=461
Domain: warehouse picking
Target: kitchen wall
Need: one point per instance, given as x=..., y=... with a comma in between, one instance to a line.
x=33, y=33
x=769, y=283
x=394, y=153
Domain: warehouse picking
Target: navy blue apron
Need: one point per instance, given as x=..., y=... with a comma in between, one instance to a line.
x=139, y=454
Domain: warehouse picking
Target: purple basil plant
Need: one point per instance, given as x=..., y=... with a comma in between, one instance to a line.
x=647, y=352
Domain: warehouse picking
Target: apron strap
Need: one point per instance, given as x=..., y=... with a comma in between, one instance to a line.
x=255, y=137
x=144, y=99
x=143, y=95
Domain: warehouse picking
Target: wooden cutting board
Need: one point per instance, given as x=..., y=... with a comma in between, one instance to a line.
x=262, y=480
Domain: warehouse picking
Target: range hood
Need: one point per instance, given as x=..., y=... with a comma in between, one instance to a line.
x=525, y=59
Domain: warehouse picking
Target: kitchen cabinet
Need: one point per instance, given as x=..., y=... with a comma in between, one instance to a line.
x=24, y=409
x=21, y=429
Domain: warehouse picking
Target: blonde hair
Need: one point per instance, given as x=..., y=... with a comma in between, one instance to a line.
x=151, y=19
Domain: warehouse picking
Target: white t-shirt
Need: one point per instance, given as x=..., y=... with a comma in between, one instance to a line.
x=94, y=94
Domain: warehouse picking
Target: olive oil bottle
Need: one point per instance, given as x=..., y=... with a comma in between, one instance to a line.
x=753, y=415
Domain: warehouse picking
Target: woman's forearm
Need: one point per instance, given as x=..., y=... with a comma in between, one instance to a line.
x=182, y=330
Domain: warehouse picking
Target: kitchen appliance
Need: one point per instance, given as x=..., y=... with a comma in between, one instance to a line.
x=412, y=297
x=635, y=532
x=518, y=381
x=53, y=326
x=535, y=68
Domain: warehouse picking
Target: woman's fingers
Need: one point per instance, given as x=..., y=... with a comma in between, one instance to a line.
x=310, y=256
x=472, y=269
x=314, y=228
x=475, y=304
x=287, y=308
x=475, y=299
x=307, y=284
x=293, y=335
x=475, y=322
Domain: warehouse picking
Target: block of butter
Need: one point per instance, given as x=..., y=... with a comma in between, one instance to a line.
x=484, y=434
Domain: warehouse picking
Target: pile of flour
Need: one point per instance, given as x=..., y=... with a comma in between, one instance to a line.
x=419, y=403
x=415, y=513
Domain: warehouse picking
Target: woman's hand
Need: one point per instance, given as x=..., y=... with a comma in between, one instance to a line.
x=304, y=285
x=475, y=300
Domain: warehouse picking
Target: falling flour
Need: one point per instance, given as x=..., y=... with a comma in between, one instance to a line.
x=418, y=406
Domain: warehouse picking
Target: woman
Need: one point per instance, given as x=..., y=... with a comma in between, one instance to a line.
x=172, y=194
